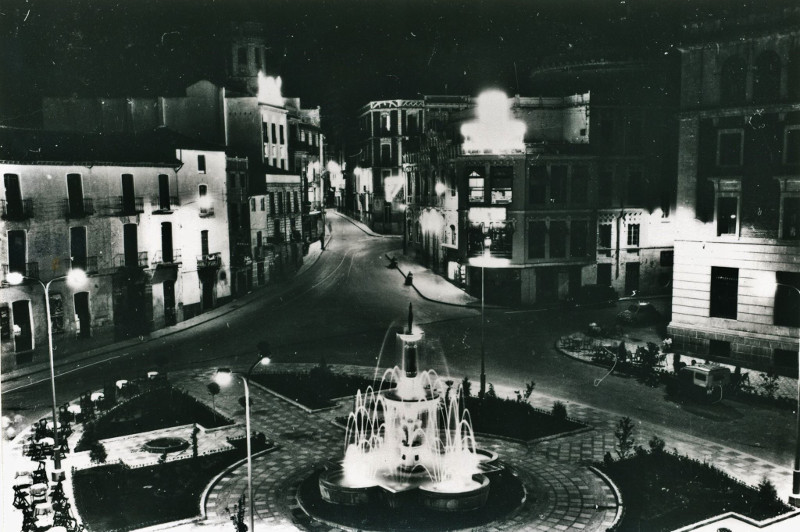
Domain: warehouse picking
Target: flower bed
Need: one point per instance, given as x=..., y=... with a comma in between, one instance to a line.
x=665, y=491
x=156, y=409
x=515, y=419
x=116, y=497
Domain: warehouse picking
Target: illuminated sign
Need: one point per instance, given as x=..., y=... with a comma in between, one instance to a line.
x=495, y=131
x=269, y=90
x=487, y=215
x=392, y=185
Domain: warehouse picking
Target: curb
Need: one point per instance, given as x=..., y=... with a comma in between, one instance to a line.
x=363, y=227
x=126, y=344
x=617, y=495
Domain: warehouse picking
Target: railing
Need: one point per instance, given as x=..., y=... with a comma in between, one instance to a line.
x=212, y=260
x=87, y=264
x=121, y=260
x=16, y=210
x=121, y=206
x=160, y=258
x=158, y=208
x=208, y=211
x=79, y=209
x=29, y=269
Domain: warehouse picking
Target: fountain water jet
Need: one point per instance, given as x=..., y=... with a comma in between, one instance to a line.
x=412, y=440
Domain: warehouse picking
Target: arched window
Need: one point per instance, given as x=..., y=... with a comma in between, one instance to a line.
x=733, y=81
x=767, y=77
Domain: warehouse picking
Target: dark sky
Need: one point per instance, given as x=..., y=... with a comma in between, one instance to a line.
x=335, y=53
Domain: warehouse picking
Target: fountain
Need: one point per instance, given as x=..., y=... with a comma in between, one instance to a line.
x=410, y=443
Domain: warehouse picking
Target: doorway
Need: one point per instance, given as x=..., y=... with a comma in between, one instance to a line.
x=23, y=333
x=208, y=294
x=131, y=245
x=128, y=196
x=631, y=278
x=81, y=300
x=169, y=303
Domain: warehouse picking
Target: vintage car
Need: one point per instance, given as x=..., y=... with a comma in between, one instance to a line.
x=703, y=382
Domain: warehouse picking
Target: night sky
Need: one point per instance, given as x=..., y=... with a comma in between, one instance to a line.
x=336, y=53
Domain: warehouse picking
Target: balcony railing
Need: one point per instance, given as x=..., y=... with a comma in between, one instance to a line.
x=208, y=211
x=78, y=209
x=121, y=206
x=87, y=264
x=122, y=260
x=29, y=269
x=160, y=207
x=161, y=258
x=16, y=210
x=212, y=260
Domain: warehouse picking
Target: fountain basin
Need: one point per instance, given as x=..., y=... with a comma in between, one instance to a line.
x=471, y=495
x=166, y=445
x=333, y=489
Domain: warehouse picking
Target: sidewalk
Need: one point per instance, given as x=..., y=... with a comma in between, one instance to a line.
x=106, y=352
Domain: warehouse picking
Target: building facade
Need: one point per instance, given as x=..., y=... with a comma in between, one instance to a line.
x=389, y=129
x=739, y=193
x=145, y=218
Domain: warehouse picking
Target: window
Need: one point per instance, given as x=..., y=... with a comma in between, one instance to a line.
x=785, y=362
x=724, y=292
x=502, y=178
x=78, y=247
x=733, y=81
x=577, y=238
x=730, y=144
x=204, y=243
x=130, y=243
x=263, y=203
x=604, y=236
x=604, y=274
x=75, y=194
x=166, y=242
x=14, y=209
x=453, y=235
x=201, y=164
x=243, y=180
x=242, y=59
x=667, y=259
x=274, y=136
x=476, y=182
x=580, y=184
x=296, y=202
x=791, y=145
x=767, y=77
x=128, y=198
x=265, y=132
x=272, y=203
x=386, y=154
x=259, y=239
x=558, y=184
x=558, y=240
x=204, y=200
x=253, y=204
x=633, y=235
x=790, y=220
x=537, y=233
x=233, y=216
x=538, y=185
x=282, y=138
x=727, y=215
x=786, y=310
x=163, y=192
x=17, y=252
x=280, y=203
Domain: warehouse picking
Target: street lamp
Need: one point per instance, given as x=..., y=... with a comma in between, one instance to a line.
x=75, y=278
x=769, y=287
x=223, y=377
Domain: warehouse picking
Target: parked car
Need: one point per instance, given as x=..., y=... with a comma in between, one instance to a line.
x=702, y=382
x=594, y=295
x=639, y=315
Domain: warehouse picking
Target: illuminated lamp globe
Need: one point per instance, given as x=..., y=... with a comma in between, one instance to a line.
x=15, y=278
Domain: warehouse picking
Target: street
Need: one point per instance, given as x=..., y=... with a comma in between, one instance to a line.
x=341, y=307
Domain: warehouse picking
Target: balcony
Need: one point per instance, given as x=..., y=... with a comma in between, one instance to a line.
x=206, y=212
x=212, y=260
x=161, y=207
x=16, y=211
x=170, y=258
x=121, y=206
x=28, y=269
x=135, y=260
x=78, y=209
x=87, y=264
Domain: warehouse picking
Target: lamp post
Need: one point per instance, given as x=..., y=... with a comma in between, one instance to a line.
x=74, y=277
x=223, y=377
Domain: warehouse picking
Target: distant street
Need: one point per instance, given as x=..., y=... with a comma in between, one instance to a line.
x=342, y=307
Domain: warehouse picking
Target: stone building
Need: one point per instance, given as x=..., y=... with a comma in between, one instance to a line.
x=143, y=216
x=739, y=192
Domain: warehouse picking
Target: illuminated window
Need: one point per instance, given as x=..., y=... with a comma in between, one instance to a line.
x=302, y=135
x=633, y=235
x=502, y=178
x=476, y=185
x=724, y=292
x=730, y=144
x=727, y=215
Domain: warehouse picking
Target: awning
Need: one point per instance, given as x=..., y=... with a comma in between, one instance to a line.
x=164, y=273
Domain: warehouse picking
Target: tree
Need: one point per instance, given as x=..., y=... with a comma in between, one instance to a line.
x=98, y=453
x=213, y=390
x=466, y=387
x=237, y=515
x=624, y=435
x=195, y=430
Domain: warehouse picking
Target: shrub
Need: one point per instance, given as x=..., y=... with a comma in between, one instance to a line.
x=767, y=500
x=624, y=435
x=466, y=387
x=559, y=410
x=490, y=393
x=98, y=453
x=768, y=384
x=656, y=445
x=608, y=460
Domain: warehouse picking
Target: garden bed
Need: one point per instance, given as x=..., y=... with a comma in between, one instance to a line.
x=515, y=419
x=157, y=409
x=315, y=389
x=665, y=491
x=116, y=497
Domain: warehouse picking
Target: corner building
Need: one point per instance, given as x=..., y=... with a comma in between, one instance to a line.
x=738, y=214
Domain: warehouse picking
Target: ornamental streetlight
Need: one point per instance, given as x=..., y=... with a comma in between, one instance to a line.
x=223, y=377
x=768, y=287
x=75, y=278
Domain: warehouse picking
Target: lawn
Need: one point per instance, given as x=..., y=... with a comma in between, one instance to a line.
x=115, y=497
x=314, y=389
x=665, y=491
x=515, y=419
x=156, y=409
